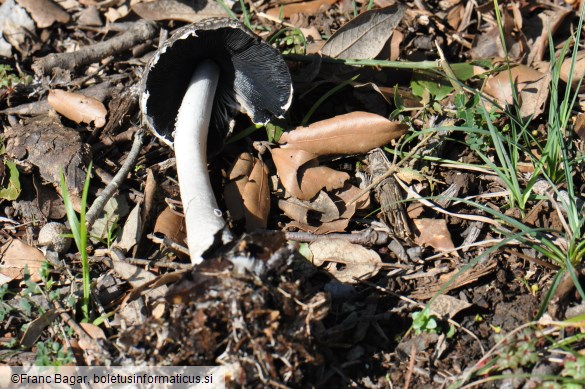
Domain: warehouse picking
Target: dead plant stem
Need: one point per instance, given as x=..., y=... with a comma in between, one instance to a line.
x=100, y=202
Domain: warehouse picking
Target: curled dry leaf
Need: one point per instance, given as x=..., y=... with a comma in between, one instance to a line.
x=546, y=22
x=191, y=12
x=310, y=8
x=301, y=175
x=171, y=225
x=248, y=193
x=78, y=107
x=352, y=133
x=579, y=125
x=328, y=213
x=322, y=209
x=45, y=12
x=448, y=306
x=137, y=276
x=16, y=27
x=347, y=262
x=434, y=233
x=578, y=70
x=16, y=255
x=532, y=87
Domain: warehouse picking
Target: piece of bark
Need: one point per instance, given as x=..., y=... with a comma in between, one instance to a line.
x=139, y=32
x=390, y=197
x=120, y=108
x=45, y=143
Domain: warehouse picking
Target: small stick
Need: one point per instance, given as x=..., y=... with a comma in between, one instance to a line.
x=410, y=366
x=165, y=264
x=98, y=205
x=367, y=237
x=168, y=243
x=138, y=33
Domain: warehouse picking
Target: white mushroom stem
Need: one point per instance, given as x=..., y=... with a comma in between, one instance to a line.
x=202, y=215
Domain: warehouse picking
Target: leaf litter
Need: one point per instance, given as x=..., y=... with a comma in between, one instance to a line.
x=377, y=190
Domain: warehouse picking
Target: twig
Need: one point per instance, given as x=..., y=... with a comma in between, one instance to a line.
x=367, y=237
x=410, y=366
x=448, y=71
x=167, y=264
x=138, y=33
x=168, y=243
x=96, y=348
x=98, y=205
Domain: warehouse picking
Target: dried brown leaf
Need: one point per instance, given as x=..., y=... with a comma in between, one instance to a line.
x=16, y=27
x=578, y=70
x=455, y=16
x=45, y=12
x=137, y=277
x=192, y=12
x=78, y=107
x=580, y=125
x=16, y=255
x=310, y=8
x=171, y=225
x=132, y=230
x=301, y=176
x=248, y=194
x=365, y=36
x=113, y=14
x=347, y=194
x=320, y=210
x=256, y=197
x=488, y=44
x=539, y=27
x=331, y=211
x=434, y=233
x=352, y=133
x=35, y=328
x=347, y=262
x=448, y=306
x=531, y=85
x=338, y=225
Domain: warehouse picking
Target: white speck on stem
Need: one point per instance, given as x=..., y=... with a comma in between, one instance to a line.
x=202, y=215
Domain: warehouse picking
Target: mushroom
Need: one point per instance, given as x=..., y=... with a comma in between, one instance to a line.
x=194, y=85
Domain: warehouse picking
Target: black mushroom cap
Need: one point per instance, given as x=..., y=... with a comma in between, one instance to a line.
x=253, y=78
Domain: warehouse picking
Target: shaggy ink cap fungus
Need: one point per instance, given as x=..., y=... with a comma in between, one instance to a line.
x=253, y=78
x=192, y=87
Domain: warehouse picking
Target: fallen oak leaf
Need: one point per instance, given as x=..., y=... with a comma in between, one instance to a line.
x=45, y=12
x=434, y=233
x=578, y=70
x=321, y=209
x=351, y=133
x=248, y=192
x=16, y=256
x=309, y=8
x=357, y=262
x=338, y=225
x=301, y=176
x=531, y=85
x=77, y=107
